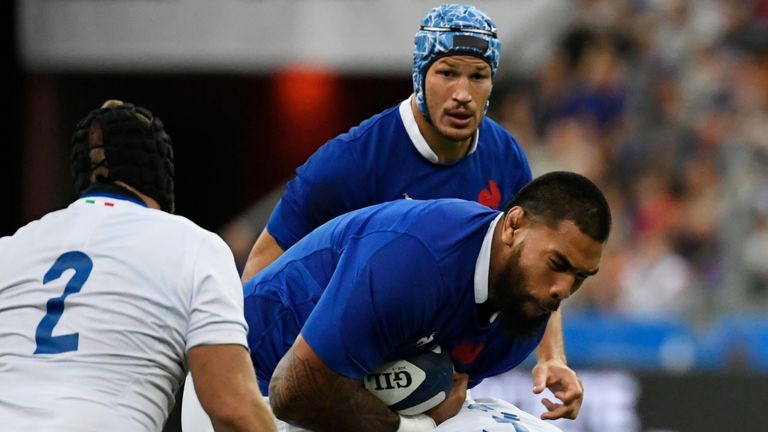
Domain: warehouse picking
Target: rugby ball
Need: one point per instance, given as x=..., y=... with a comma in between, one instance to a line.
x=415, y=384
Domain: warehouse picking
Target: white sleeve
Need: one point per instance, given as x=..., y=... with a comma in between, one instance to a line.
x=216, y=313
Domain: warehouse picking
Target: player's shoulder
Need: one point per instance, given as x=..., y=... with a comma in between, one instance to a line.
x=374, y=132
x=180, y=233
x=459, y=207
x=417, y=217
x=358, y=146
x=459, y=219
x=415, y=208
x=178, y=225
x=370, y=126
x=29, y=229
x=405, y=216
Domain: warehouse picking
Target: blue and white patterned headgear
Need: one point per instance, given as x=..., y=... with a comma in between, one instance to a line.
x=452, y=29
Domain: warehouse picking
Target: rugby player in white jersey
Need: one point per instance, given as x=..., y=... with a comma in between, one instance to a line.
x=494, y=415
x=106, y=304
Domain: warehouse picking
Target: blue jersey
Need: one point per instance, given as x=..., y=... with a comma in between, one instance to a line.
x=379, y=283
x=386, y=158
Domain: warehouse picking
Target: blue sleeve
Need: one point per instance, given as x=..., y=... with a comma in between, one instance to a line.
x=327, y=185
x=371, y=306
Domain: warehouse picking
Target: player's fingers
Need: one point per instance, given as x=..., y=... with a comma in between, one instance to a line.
x=569, y=395
x=569, y=388
x=552, y=409
x=539, y=379
x=556, y=411
x=549, y=404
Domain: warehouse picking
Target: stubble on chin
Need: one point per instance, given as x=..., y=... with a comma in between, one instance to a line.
x=511, y=295
x=457, y=135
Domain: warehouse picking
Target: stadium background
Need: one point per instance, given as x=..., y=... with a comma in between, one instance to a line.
x=663, y=102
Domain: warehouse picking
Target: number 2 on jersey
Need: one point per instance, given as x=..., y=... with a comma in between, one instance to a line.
x=46, y=342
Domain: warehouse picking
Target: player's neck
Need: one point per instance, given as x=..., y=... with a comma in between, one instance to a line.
x=148, y=200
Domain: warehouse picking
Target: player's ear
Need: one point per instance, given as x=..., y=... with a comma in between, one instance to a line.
x=512, y=222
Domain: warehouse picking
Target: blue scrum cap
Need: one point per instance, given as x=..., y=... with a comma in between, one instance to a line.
x=452, y=29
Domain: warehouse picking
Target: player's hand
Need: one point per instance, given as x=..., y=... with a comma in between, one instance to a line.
x=452, y=404
x=564, y=384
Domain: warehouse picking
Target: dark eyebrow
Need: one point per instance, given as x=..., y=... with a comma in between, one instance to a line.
x=570, y=268
x=478, y=67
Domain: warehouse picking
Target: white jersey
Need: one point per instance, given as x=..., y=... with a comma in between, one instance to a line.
x=99, y=304
x=494, y=415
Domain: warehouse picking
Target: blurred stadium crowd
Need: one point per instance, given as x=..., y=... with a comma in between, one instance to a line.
x=665, y=105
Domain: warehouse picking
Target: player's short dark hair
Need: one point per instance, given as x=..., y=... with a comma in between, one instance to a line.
x=136, y=148
x=561, y=195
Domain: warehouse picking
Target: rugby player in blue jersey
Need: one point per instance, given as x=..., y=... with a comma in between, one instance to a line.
x=438, y=143
x=381, y=282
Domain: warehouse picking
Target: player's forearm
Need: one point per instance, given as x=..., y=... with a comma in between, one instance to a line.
x=225, y=384
x=551, y=346
x=264, y=251
x=256, y=418
x=310, y=397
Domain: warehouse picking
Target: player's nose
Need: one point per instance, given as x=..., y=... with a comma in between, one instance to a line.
x=461, y=91
x=562, y=287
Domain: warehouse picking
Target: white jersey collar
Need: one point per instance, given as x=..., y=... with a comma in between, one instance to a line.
x=108, y=199
x=483, y=263
x=409, y=121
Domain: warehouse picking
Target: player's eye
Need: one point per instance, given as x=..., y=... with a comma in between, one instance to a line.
x=558, y=266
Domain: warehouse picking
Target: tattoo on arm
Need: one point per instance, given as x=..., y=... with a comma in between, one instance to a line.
x=306, y=393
